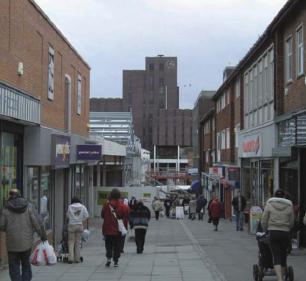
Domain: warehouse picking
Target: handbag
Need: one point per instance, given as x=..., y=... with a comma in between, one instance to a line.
x=121, y=227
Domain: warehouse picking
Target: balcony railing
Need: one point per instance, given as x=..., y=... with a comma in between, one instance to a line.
x=18, y=105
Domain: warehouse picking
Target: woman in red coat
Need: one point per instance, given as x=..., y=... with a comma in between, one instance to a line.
x=215, y=211
x=111, y=211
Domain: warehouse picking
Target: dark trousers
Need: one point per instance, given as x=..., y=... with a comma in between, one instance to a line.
x=15, y=260
x=167, y=212
x=140, y=235
x=157, y=215
x=112, y=246
x=122, y=242
x=279, y=245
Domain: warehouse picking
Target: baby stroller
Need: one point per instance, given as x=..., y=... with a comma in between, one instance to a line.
x=63, y=249
x=265, y=260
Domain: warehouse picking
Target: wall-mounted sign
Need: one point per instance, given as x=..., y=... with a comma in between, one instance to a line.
x=216, y=171
x=252, y=146
x=89, y=152
x=61, y=151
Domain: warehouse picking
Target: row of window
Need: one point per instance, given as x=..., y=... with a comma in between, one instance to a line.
x=51, y=66
x=299, y=55
x=210, y=124
x=161, y=66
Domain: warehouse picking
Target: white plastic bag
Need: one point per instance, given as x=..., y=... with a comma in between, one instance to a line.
x=122, y=228
x=85, y=235
x=43, y=254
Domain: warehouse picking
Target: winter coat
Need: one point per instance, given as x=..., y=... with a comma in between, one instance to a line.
x=201, y=203
x=215, y=208
x=77, y=213
x=235, y=203
x=19, y=220
x=140, y=217
x=126, y=214
x=110, y=223
x=192, y=206
x=157, y=205
x=278, y=215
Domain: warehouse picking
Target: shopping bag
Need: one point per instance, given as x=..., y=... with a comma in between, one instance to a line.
x=43, y=254
x=85, y=235
x=122, y=228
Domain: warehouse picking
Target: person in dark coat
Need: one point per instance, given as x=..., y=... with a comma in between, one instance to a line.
x=140, y=217
x=201, y=203
x=239, y=203
x=167, y=204
x=111, y=211
x=19, y=221
x=215, y=211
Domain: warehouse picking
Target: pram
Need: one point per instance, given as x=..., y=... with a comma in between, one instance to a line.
x=265, y=260
x=63, y=249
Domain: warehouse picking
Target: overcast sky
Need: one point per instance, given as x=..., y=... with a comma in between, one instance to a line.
x=205, y=36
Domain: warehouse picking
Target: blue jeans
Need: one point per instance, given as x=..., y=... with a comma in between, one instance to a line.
x=15, y=260
x=239, y=220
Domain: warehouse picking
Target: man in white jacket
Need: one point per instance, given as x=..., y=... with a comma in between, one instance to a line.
x=77, y=213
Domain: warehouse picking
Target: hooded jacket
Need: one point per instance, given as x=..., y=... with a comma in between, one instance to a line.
x=77, y=213
x=20, y=221
x=278, y=215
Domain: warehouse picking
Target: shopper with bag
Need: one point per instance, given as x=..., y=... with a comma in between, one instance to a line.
x=112, y=215
x=19, y=220
x=140, y=217
x=76, y=214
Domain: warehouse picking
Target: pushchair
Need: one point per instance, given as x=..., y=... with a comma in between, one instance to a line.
x=63, y=249
x=265, y=260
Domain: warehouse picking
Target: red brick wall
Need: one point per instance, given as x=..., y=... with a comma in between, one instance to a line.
x=25, y=36
x=296, y=94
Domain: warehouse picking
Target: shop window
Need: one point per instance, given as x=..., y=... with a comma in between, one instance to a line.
x=39, y=192
x=8, y=165
x=78, y=188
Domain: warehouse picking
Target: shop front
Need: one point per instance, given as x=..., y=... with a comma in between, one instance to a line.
x=18, y=111
x=257, y=165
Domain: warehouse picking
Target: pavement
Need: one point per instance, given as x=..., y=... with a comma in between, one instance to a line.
x=175, y=250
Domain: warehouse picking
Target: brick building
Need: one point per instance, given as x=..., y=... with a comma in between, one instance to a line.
x=44, y=109
x=165, y=130
x=262, y=103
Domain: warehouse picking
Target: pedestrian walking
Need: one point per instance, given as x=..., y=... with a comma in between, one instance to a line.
x=126, y=214
x=157, y=207
x=77, y=214
x=192, y=208
x=140, y=217
x=239, y=203
x=19, y=221
x=111, y=212
x=167, y=204
x=132, y=203
x=185, y=204
x=215, y=209
x=278, y=219
x=201, y=203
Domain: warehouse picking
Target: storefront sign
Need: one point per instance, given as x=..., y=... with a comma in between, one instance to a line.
x=89, y=152
x=216, y=171
x=251, y=146
x=255, y=216
x=61, y=153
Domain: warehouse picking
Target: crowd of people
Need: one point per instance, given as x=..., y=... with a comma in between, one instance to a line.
x=20, y=219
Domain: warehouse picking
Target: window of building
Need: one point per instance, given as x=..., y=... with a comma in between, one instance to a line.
x=79, y=95
x=39, y=192
x=237, y=88
x=223, y=136
x=228, y=138
x=51, y=74
x=151, y=66
x=288, y=60
x=161, y=67
x=151, y=83
x=222, y=101
x=237, y=130
x=161, y=82
x=300, y=51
